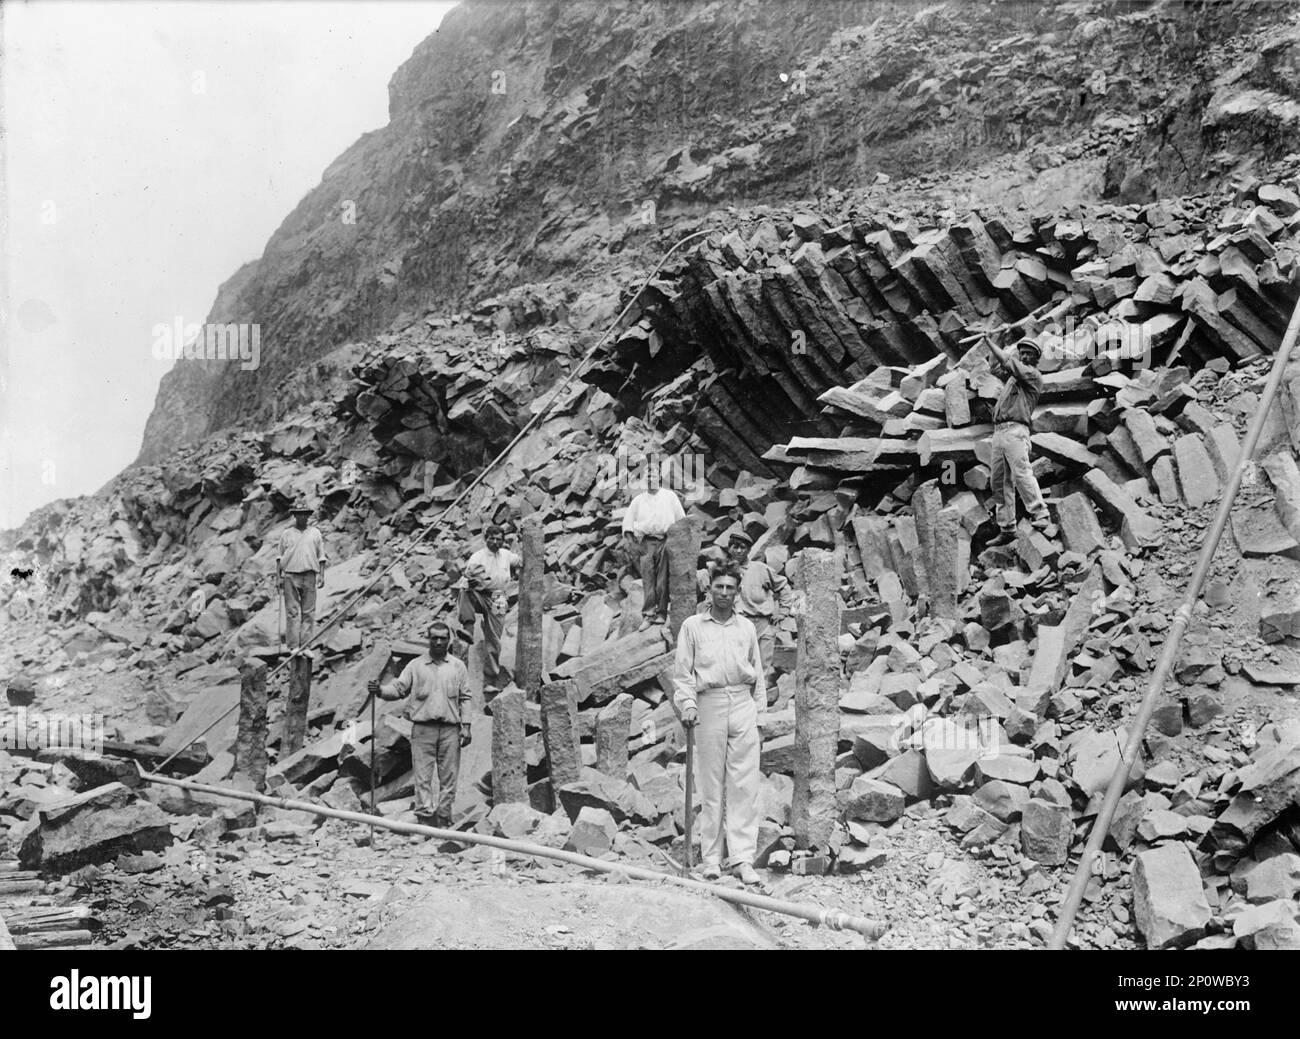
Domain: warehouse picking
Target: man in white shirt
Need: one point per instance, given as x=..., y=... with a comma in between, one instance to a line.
x=436, y=687
x=646, y=525
x=488, y=573
x=718, y=685
x=300, y=566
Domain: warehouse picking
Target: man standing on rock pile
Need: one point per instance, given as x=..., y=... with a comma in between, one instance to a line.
x=762, y=590
x=488, y=573
x=300, y=566
x=1012, y=420
x=718, y=685
x=436, y=687
x=646, y=525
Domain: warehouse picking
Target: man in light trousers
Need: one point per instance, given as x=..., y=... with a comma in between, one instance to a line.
x=719, y=690
x=1011, y=472
x=300, y=564
x=438, y=702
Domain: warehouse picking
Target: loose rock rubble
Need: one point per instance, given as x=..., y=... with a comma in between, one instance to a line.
x=808, y=370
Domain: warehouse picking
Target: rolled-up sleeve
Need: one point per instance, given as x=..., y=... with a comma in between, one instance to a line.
x=463, y=697
x=784, y=593
x=684, y=669
x=400, y=686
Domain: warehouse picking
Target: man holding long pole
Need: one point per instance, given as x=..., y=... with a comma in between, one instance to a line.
x=719, y=686
x=438, y=702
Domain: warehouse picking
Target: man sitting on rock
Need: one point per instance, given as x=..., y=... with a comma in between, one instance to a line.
x=1012, y=421
x=436, y=687
x=488, y=573
x=718, y=685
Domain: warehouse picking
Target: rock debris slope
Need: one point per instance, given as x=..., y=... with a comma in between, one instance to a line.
x=1115, y=179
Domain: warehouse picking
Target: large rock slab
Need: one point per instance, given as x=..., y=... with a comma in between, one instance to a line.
x=1169, y=904
x=1196, y=473
x=94, y=827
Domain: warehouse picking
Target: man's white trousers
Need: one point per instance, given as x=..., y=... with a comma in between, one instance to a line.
x=727, y=750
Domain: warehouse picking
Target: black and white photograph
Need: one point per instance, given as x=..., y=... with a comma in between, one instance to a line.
x=651, y=475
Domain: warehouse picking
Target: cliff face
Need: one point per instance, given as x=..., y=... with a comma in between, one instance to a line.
x=542, y=139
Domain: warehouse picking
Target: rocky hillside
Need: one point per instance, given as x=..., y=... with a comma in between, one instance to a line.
x=534, y=140
x=1128, y=184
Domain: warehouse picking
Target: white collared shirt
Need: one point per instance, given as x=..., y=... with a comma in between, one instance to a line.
x=652, y=512
x=713, y=654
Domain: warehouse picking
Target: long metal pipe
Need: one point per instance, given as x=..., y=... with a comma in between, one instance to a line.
x=834, y=919
x=556, y=394
x=1169, y=655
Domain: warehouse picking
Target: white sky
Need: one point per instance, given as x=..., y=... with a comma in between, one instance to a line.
x=150, y=149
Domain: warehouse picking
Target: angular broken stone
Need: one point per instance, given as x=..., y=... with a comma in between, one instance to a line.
x=1196, y=473
x=593, y=832
x=514, y=821
x=1271, y=926
x=909, y=773
x=1169, y=904
x=1005, y=801
x=622, y=800
x=870, y=800
x=1046, y=830
x=1278, y=877
x=1160, y=824
x=94, y=827
x=1096, y=757
x=951, y=751
x=1013, y=768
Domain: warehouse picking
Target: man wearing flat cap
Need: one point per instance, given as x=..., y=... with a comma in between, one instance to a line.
x=300, y=565
x=1012, y=422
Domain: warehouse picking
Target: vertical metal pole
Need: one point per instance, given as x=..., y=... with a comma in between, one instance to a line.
x=1169, y=655
x=690, y=792
x=374, y=738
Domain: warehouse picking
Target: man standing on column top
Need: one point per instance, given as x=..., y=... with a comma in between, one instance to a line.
x=300, y=566
x=646, y=525
x=488, y=573
x=1012, y=420
x=436, y=687
x=718, y=685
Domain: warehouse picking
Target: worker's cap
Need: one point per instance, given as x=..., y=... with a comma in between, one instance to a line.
x=1029, y=346
x=741, y=538
x=300, y=506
